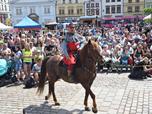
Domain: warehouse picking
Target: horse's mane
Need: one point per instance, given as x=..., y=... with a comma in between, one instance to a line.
x=84, y=50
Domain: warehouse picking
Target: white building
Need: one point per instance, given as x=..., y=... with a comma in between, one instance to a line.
x=4, y=10
x=42, y=11
x=93, y=8
x=112, y=8
x=148, y=3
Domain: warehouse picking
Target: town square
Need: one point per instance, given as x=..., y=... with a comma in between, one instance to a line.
x=75, y=56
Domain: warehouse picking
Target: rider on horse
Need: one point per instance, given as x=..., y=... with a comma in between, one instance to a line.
x=71, y=44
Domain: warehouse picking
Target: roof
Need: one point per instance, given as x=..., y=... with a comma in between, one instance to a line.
x=27, y=23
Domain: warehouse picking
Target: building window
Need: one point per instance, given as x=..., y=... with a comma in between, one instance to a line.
x=88, y=12
x=113, y=9
x=78, y=12
x=107, y=9
x=70, y=1
x=118, y=8
x=137, y=1
x=88, y=5
x=107, y=0
x=129, y=1
x=92, y=5
x=63, y=1
x=18, y=11
x=97, y=12
x=5, y=8
x=97, y=4
x=76, y=1
x=112, y=0
x=47, y=10
x=61, y=12
x=2, y=8
x=32, y=10
x=149, y=6
x=70, y=11
x=137, y=8
x=129, y=8
x=118, y=0
x=92, y=12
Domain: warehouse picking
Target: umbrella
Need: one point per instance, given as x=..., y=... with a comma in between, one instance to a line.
x=4, y=27
x=148, y=17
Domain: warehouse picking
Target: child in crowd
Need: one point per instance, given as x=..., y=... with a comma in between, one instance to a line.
x=36, y=69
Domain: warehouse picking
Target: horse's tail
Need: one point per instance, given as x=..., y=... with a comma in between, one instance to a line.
x=42, y=76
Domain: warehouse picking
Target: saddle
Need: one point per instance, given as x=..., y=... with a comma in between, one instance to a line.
x=63, y=67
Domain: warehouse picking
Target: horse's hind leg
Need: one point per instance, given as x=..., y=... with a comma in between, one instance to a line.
x=49, y=94
x=52, y=88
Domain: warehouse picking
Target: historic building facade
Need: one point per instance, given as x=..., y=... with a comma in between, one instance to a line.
x=93, y=8
x=68, y=10
x=42, y=11
x=112, y=8
x=134, y=7
x=4, y=11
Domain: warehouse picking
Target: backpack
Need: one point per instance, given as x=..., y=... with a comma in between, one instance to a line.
x=30, y=82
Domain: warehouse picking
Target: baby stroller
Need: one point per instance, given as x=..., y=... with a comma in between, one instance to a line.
x=7, y=72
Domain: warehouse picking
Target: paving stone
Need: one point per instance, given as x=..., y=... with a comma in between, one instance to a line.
x=115, y=94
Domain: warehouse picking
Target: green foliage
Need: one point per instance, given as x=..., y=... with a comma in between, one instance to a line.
x=148, y=21
x=148, y=10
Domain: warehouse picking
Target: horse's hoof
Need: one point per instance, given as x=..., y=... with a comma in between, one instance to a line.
x=46, y=97
x=87, y=109
x=57, y=104
x=94, y=110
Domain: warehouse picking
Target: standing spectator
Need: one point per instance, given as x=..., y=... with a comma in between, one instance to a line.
x=27, y=60
x=18, y=63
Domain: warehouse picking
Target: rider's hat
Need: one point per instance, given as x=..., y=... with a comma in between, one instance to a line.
x=71, y=25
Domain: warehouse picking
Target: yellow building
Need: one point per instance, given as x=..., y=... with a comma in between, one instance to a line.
x=69, y=9
x=133, y=7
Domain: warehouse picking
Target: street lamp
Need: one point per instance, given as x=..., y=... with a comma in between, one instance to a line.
x=96, y=21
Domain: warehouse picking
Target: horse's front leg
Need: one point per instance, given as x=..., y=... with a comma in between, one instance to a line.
x=94, y=108
x=88, y=91
x=86, y=101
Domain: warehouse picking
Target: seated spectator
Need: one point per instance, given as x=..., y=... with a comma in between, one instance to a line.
x=116, y=54
x=125, y=56
x=37, y=68
x=139, y=53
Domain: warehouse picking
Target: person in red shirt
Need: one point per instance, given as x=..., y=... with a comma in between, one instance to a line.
x=71, y=44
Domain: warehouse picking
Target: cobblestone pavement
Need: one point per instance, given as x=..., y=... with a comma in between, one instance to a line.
x=115, y=94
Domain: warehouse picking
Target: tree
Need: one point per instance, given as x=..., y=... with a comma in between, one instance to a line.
x=147, y=12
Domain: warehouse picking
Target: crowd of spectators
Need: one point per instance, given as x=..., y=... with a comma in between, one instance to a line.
x=120, y=45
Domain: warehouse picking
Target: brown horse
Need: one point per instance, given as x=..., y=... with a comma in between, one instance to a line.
x=85, y=72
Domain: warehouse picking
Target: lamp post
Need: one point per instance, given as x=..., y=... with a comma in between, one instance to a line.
x=96, y=21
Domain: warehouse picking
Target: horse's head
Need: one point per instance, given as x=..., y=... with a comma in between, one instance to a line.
x=93, y=51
